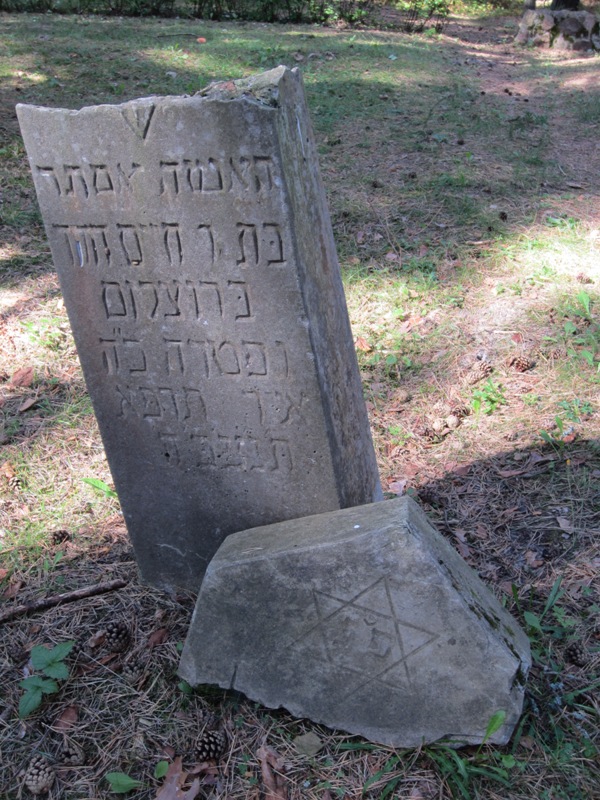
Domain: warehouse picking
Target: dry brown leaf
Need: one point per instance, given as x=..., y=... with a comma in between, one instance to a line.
x=66, y=719
x=565, y=524
x=271, y=765
x=532, y=559
x=3, y=573
x=96, y=640
x=362, y=345
x=398, y=487
x=172, y=788
x=13, y=589
x=22, y=377
x=27, y=404
x=7, y=470
x=157, y=637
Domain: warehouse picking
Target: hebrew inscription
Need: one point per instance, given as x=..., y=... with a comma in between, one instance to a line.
x=172, y=230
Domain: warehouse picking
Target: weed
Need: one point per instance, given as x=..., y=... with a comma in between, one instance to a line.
x=552, y=623
x=46, y=332
x=101, y=487
x=50, y=662
x=488, y=398
x=121, y=783
x=576, y=409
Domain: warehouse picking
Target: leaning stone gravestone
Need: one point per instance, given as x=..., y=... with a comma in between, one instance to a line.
x=197, y=263
x=365, y=620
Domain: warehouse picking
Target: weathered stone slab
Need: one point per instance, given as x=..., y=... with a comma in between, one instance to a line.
x=365, y=620
x=196, y=258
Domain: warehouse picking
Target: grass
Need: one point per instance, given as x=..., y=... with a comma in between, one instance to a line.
x=467, y=225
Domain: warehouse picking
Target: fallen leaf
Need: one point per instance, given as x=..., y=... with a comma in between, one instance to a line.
x=462, y=547
x=201, y=40
x=308, y=744
x=13, y=589
x=172, y=788
x=96, y=640
x=517, y=337
x=360, y=237
x=565, y=525
x=391, y=256
x=157, y=637
x=362, y=345
x=3, y=573
x=397, y=487
x=527, y=742
x=22, y=377
x=271, y=765
x=29, y=403
x=7, y=470
x=66, y=719
x=532, y=559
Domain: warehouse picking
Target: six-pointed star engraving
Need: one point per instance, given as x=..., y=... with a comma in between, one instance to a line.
x=364, y=635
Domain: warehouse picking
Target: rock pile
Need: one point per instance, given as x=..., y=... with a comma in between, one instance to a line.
x=564, y=30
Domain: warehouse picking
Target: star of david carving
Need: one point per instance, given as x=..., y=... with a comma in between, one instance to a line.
x=365, y=638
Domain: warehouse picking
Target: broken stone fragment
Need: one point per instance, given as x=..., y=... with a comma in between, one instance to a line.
x=365, y=620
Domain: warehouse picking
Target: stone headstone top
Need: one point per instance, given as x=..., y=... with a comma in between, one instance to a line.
x=365, y=620
x=196, y=258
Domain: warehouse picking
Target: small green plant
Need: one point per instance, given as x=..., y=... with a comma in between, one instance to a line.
x=51, y=664
x=46, y=331
x=576, y=409
x=581, y=306
x=161, y=769
x=488, y=398
x=101, y=487
x=121, y=783
x=553, y=622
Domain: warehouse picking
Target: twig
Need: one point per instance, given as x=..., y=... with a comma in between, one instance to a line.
x=65, y=597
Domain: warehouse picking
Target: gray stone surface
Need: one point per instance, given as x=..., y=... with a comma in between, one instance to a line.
x=561, y=29
x=365, y=620
x=197, y=263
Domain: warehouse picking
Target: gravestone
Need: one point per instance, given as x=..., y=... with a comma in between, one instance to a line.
x=365, y=620
x=196, y=258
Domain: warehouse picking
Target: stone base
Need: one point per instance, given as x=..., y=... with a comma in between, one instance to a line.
x=563, y=30
x=365, y=620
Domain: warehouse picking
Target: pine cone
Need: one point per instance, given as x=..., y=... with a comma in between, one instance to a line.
x=583, y=278
x=478, y=372
x=133, y=670
x=39, y=776
x=58, y=537
x=461, y=411
x=72, y=755
x=427, y=433
x=211, y=745
x=118, y=637
x=551, y=353
x=520, y=363
x=577, y=654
